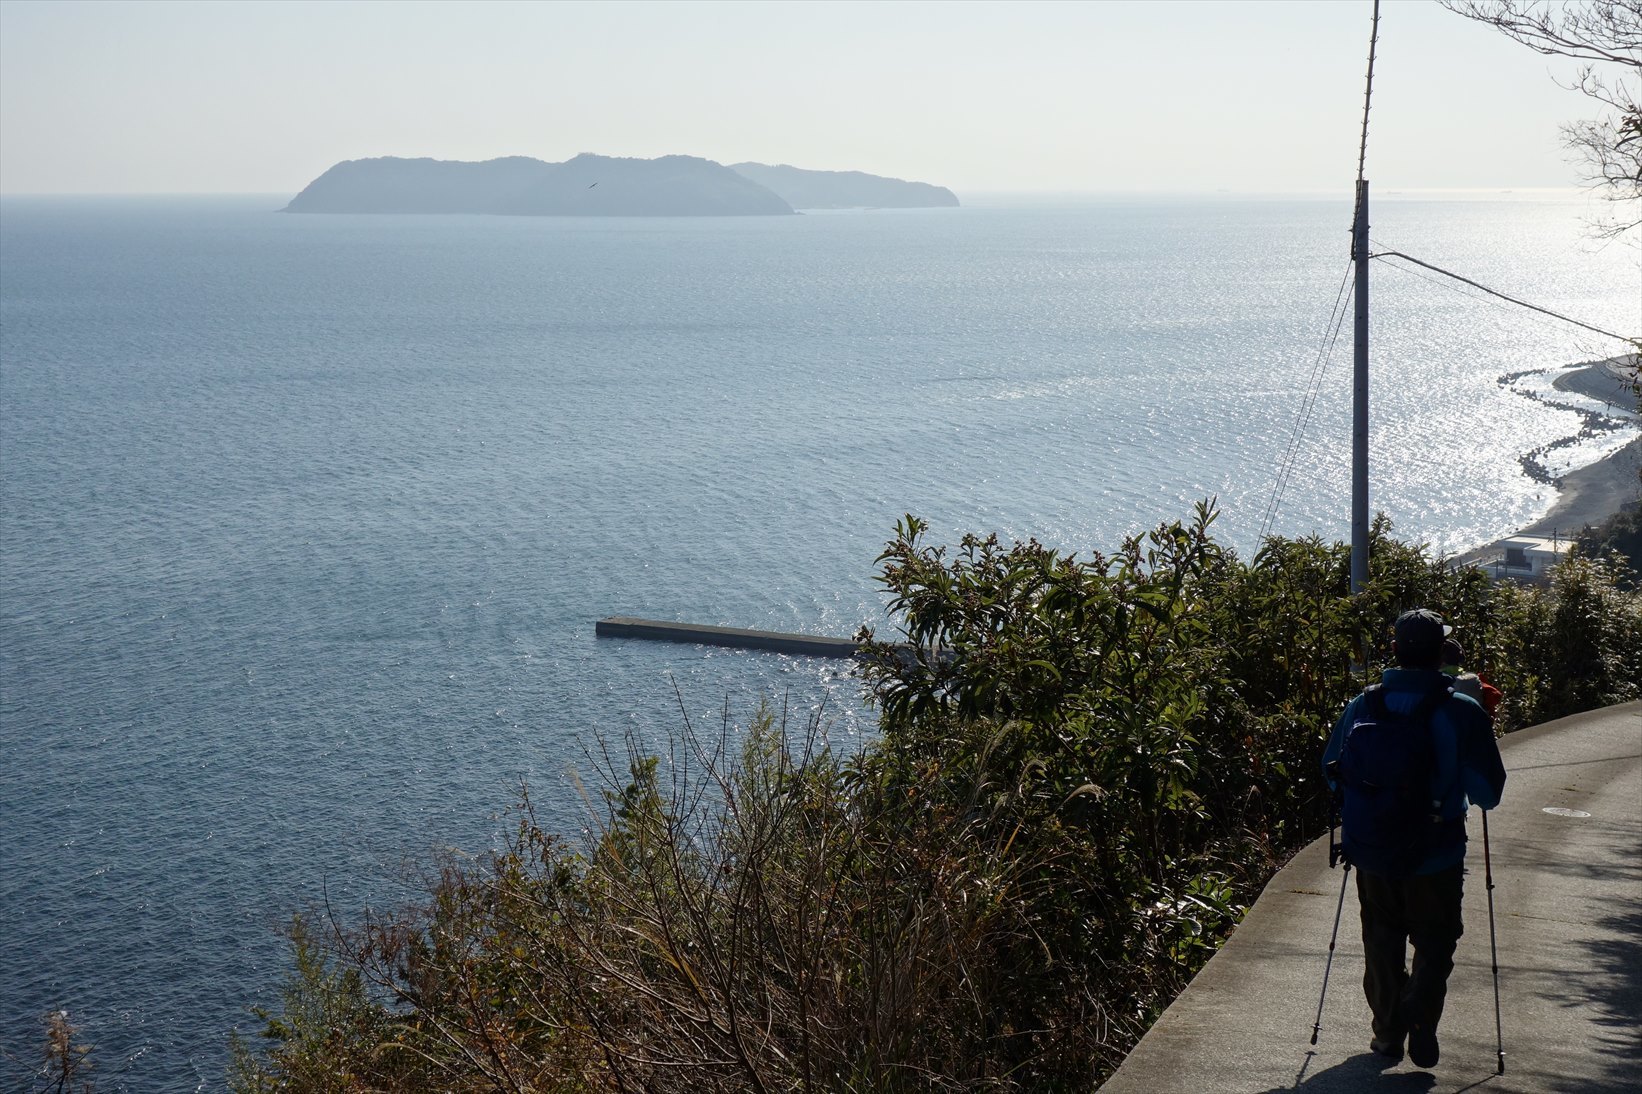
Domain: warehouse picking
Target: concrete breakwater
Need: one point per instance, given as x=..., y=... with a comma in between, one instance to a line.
x=1591, y=494
x=804, y=645
x=1600, y=381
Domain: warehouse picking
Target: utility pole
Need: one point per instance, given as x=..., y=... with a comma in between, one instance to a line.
x=1359, y=400
x=1359, y=357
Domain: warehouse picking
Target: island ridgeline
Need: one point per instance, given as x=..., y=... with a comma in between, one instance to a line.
x=593, y=185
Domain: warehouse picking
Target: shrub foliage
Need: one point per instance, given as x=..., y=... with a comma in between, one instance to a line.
x=1086, y=768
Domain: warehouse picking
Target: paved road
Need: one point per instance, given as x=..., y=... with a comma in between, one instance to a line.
x=1568, y=912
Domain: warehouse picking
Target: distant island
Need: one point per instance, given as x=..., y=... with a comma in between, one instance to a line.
x=804, y=189
x=591, y=185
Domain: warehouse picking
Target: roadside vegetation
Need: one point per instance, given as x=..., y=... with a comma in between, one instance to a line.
x=1087, y=768
x=1621, y=535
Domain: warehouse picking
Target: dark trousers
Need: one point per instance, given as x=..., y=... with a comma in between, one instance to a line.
x=1423, y=909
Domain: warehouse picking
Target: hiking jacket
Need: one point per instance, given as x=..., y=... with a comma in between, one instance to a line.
x=1468, y=764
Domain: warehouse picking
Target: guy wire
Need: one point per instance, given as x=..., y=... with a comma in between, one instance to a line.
x=1302, y=420
x=1285, y=466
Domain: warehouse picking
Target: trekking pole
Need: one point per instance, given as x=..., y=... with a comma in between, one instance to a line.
x=1493, y=947
x=1333, y=857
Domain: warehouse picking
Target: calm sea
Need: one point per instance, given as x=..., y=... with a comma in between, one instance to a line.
x=305, y=521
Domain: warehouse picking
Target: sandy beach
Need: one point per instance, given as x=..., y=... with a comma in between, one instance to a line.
x=1591, y=494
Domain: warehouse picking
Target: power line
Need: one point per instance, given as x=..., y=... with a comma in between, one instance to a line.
x=1465, y=293
x=1459, y=290
x=1502, y=296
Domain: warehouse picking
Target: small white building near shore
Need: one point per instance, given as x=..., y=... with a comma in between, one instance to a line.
x=1527, y=558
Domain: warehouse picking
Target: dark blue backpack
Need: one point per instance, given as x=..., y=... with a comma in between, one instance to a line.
x=1389, y=819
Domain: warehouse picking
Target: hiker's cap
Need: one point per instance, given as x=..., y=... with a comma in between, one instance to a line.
x=1419, y=633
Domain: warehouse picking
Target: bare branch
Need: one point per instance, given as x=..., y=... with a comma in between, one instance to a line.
x=1604, y=34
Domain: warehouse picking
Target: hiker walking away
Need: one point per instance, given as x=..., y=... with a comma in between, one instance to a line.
x=1473, y=684
x=1407, y=755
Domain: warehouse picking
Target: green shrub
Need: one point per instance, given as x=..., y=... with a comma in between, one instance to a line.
x=1620, y=535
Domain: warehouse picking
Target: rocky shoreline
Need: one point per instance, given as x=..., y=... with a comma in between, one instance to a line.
x=1587, y=495
x=1600, y=381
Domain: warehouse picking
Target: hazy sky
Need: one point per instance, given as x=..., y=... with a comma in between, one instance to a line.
x=190, y=97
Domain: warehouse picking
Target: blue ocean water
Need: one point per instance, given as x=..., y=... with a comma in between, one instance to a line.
x=305, y=521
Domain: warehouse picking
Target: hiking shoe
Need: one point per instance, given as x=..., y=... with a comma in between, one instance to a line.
x=1422, y=1047
x=1391, y=1048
